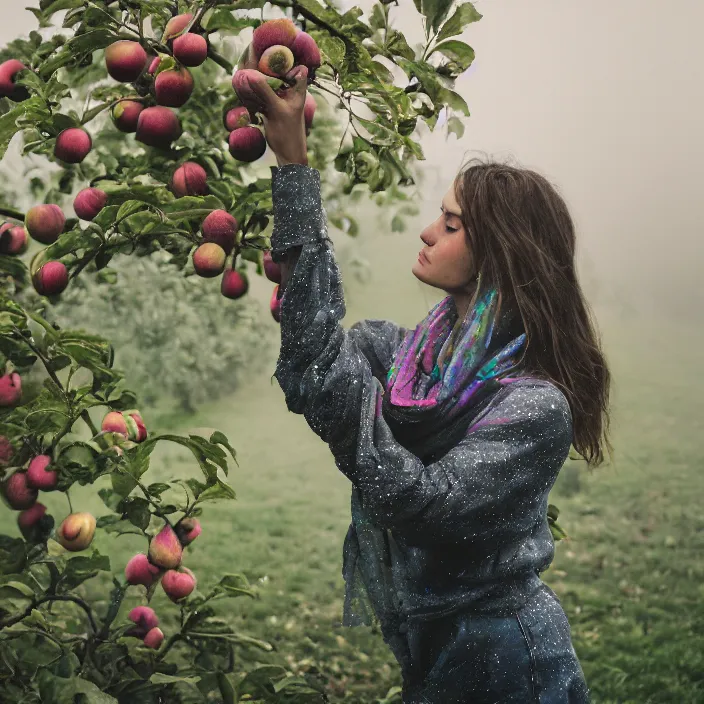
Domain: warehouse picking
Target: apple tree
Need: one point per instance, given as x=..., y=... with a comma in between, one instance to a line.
x=133, y=101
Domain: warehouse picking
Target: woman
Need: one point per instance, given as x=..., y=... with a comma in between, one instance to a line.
x=453, y=433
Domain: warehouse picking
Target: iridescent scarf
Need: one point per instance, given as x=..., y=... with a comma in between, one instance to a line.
x=446, y=367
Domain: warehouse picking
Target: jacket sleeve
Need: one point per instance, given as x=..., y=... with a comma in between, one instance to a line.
x=488, y=487
x=321, y=366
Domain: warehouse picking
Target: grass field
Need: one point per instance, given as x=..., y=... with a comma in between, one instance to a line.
x=630, y=578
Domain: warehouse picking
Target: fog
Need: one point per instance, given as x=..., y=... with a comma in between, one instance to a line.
x=604, y=99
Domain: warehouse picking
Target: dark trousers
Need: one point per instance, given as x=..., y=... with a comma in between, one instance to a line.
x=525, y=658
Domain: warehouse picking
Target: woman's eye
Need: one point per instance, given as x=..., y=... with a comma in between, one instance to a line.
x=451, y=229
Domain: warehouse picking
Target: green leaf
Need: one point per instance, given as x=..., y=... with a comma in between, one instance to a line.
x=465, y=14
x=15, y=597
x=459, y=52
x=332, y=49
x=397, y=224
x=80, y=568
x=227, y=690
x=32, y=108
x=70, y=690
x=455, y=126
x=160, y=678
x=137, y=511
x=377, y=17
x=434, y=11
x=380, y=135
x=129, y=207
x=223, y=18
x=235, y=585
x=210, y=457
x=13, y=554
x=216, y=491
x=218, y=438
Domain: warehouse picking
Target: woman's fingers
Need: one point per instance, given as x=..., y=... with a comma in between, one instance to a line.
x=297, y=77
x=263, y=92
x=247, y=93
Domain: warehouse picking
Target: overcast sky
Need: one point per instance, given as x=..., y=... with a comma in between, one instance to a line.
x=602, y=97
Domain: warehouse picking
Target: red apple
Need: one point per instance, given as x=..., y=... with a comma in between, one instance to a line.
x=18, y=493
x=190, y=49
x=8, y=73
x=125, y=115
x=280, y=31
x=76, y=532
x=189, y=179
x=176, y=26
x=154, y=638
x=187, y=530
x=178, y=584
x=13, y=239
x=234, y=284
x=306, y=52
x=144, y=619
x=276, y=61
x=165, y=549
x=140, y=571
x=41, y=475
x=275, y=304
x=309, y=110
x=89, y=202
x=209, y=260
x=158, y=127
x=173, y=87
x=45, y=223
x=220, y=227
x=51, y=279
x=10, y=389
x=125, y=60
x=247, y=144
x=72, y=145
x=31, y=516
x=236, y=118
x=272, y=270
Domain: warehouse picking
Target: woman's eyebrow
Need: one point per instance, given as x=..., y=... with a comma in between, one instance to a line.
x=449, y=212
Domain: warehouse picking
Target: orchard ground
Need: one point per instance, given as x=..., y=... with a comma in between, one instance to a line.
x=630, y=578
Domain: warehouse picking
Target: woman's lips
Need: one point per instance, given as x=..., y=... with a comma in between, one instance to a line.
x=422, y=257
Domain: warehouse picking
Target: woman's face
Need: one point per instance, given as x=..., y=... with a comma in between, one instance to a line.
x=445, y=261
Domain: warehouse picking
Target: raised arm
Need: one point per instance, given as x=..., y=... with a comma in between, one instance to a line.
x=322, y=368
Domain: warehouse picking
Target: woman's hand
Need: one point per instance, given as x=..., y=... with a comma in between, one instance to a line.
x=282, y=112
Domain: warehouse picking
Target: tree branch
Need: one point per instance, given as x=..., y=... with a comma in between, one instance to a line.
x=11, y=213
x=51, y=597
x=219, y=59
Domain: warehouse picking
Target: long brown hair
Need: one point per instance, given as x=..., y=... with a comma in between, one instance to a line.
x=522, y=238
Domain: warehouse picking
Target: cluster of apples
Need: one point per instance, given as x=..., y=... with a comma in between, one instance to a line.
x=162, y=562
x=21, y=491
x=44, y=223
x=127, y=61
x=277, y=46
x=128, y=424
x=72, y=144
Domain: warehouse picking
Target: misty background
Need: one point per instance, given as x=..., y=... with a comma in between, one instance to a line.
x=604, y=99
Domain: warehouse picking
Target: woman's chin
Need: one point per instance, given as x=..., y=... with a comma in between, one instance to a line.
x=417, y=270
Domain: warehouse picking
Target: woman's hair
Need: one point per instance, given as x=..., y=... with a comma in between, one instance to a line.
x=522, y=240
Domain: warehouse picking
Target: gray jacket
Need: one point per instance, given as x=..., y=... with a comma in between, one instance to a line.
x=466, y=530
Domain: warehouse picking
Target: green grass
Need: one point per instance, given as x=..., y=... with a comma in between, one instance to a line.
x=629, y=578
